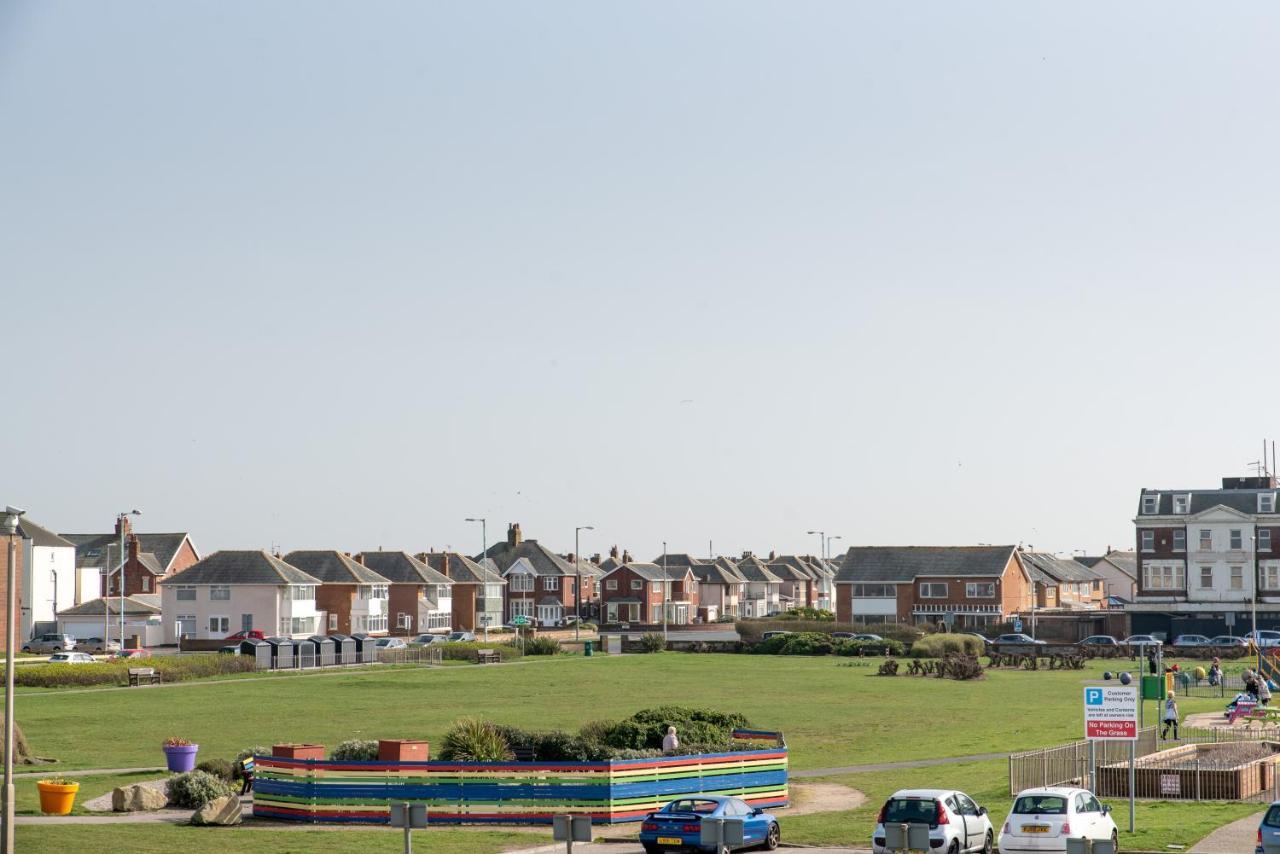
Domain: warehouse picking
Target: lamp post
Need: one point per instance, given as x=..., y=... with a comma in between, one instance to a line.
x=121, y=518
x=484, y=535
x=829, y=539
x=1254, y=595
x=9, y=524
x=664, y=590
x=822, y=540
x=577, y=588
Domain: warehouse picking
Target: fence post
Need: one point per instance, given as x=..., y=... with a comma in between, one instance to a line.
x=1044, y=767
x=1197, y=776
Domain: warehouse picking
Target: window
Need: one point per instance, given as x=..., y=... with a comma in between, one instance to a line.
x=637, y=584
x=1206, y=540
x=1148, y=541
x=1179, y=540
x=333, y=622
x=655, y=586
x=551, y=582
x=1267, y=502
x=1237, y=541
x=444, y=591
x=521, y=583
x=1163, y=576
x=933, y=590
x=493, y=591
x=1180, y=504
x=522, y=608
x=1206, y=578
x=1271, y=576
x=146, y=584
x=186, y=624
x=1237, y=578
x=373, y=591
x=297, y=626
x=186, y=594
x=1150, y=504
x=980, y=590
x=219, y=625
x=611, y=584
x=219, y=593
x=246, y=622
x=1264, y=539
x=874, y=591
x=302, y=592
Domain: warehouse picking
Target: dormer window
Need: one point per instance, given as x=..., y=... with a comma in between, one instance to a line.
x=1150, y=504
x=1181, y=503
x=1267, y=502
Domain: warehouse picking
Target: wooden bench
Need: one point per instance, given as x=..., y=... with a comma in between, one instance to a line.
x=143, y=676
x=487, y=656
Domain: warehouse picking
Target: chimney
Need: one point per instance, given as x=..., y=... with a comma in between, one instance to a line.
x=773, y=555
x=514, y=537
x=595, y=558
x=133, y=547
x=444, y=565
x=613, y=552
x=746, y=554
x=359, y=558
x=519, y=536
x=626, y=556
x=571, y=557
x=122, y=522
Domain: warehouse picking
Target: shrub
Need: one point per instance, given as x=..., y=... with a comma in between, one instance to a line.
x=938, y=645
x=220, y=768
x=355, y=751
x=695, y=727
x=194, y=789
x=553, y=746
x=653, y=642
x=172, y=668
x=245, y=754
x=806, y=613
x=175, y=741
x=796, y=643
x=869, y=647
x=467, y=651
x=959, y=666
x=471, y=740
x=752, y=630
x=542, y=645
x=636, y=754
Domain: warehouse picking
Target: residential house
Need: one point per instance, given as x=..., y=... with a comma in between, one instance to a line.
x=149, y=559
x=420, y=599
x=100, y=618
x=721, y=589
x=763, y=597
x=635, y=593
x=797, y=590
x=233, y=590
x=1076, y=585
x=540, y=583
x=966, y=587
x=1119, y=571
x=47, y=581
x=478, y=589
x=352, y=596
x=1203, y=555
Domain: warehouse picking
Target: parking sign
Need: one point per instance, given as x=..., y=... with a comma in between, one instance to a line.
x=1111, y=713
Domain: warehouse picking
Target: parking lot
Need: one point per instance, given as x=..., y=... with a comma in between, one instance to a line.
x=635, y=848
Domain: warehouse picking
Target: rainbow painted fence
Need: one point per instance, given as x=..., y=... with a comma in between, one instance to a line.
x=513, y=792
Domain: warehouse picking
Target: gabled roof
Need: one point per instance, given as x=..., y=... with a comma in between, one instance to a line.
x=333, y=567
x=716, y=574
x=151, y=563
x=680, y=559
x=241, y=567
x=462, y=569
x=401, y=568
x=141, y=604
x=41, y=536
x=1059, y=569
x=91, y=549
x=653, y=572
x=1125, y=561
x=906, y=563
x=792, y=566
x=753, y=569
x=543, y=560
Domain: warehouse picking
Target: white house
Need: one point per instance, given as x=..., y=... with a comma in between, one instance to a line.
x=48, y=581
x=419, y=599
x=99, y=618
x=763, y=596
x=233, y=590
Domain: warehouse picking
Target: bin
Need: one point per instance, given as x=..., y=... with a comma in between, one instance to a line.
x=587, y=648
x=260, y=650
x=281, y=653
x=1153, y=687
x=344, y=649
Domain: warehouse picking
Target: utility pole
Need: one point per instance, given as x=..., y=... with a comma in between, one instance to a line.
x=10, y=524
x=664, y=590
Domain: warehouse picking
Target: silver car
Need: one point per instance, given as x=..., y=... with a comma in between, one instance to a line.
x=956, y=823
x=50, y=643
x=72, y=658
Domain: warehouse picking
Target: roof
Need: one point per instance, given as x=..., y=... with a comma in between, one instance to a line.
x=680, y=559
x=139, y=604
x=241, y=567
x=41, y=536
x=1126, y=562
x=91, y=549
x=543, y=560
x=906, y=563
x=804, y=565
x=1241, y=500
x=402, y=568
x=753, y=569
x=151, y=563
x=1057, y=569
x=333, y=567
x=1088, y=560
x=792, y=567
x=651, y=571
x=716, y=574
x=462, y=569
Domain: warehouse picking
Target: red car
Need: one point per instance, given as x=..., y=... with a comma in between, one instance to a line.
x=134, y=653
x=247, y=634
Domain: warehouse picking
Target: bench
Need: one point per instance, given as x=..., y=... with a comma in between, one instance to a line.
x=143, y=676
x=488, y=656
x=1246, y=709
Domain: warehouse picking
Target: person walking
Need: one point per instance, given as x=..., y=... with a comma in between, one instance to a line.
x=246, y=775
x=1264, y=690
x=1215, y=673
x=1170, y=717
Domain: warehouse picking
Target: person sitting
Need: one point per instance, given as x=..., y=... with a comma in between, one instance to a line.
x=670, y=743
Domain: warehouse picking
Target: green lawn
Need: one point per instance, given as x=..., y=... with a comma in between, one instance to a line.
x=834, y=712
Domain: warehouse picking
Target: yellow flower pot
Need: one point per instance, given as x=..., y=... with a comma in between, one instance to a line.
x=57, y=798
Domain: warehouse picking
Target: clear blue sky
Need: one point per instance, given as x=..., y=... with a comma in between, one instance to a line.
x=342, y=274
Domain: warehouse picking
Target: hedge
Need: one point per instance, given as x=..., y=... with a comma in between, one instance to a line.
x=940, y=644
x=172, y=668
x=506, y=650
x=753, y=629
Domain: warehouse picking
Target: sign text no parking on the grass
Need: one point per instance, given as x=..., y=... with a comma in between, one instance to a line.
x=1111, y=713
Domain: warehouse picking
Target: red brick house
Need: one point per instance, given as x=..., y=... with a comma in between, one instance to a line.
x=419, y=600
x=150, y=558
x=540, y=583
x=478, y=590
x=352, y=596
x=634, y=593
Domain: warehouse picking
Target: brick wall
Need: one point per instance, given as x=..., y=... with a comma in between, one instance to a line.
x=403, y=598
x=464, y=607
x=336, y=599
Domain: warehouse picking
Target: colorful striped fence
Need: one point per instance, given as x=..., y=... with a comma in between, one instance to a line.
x=513, y=792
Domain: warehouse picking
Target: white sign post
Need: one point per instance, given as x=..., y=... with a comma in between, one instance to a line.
x=1111, y=714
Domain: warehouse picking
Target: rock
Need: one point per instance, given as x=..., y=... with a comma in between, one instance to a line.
x=220, y=811
x=136, y=797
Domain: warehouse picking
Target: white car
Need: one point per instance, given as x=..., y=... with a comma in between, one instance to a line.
x=956, y=823
x=1265, y=638
x=72, y=658
x=1044, y=819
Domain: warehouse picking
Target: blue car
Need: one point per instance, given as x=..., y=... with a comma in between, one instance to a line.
x=678, y=825
x=1269, y=831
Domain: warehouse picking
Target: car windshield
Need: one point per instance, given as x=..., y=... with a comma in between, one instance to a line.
x=696, y=805
x=1040, y=805
x=911, y=810
x=59, y=657
x=1272, y=818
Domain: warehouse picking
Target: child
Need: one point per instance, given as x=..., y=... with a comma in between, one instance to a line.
x=1264, y=690
x=1170, y=717
x=1215, y=673
x=246, y=772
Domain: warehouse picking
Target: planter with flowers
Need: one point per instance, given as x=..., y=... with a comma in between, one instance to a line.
x=180, y=754
x=57, y=795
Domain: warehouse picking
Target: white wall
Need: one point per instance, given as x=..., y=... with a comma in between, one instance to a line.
x=262, y=601
x=39, y=564
x=1220, y=558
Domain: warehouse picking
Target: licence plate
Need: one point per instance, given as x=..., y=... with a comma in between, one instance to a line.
x=1035, y=828
x=670, y=840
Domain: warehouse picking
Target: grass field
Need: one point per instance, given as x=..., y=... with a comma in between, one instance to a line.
x=834, y=712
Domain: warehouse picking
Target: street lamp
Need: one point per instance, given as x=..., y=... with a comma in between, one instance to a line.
x=664, y=590
x=484, y=535
x=577, y=589
x=9, y=524
x=829, y=539
x=822, y=539
x=120, y=520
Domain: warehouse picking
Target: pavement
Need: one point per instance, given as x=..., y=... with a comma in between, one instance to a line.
x=1239, y=836
x=635, y=848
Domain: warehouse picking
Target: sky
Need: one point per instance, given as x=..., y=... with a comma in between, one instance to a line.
x=714, y=274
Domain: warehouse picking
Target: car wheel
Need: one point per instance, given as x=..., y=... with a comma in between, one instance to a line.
x=1115, y=841
x=989, y=846
x=955, y=847
x=773, y=837
x=26, y=649
x=651, y=849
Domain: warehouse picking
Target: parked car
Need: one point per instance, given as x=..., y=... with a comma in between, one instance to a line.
x=1043, y=819
x=1264, y=639
x=867, y=636
x=1139, y=640
x=1017, y=638
x=1189, y=642
x=50, y=643
x=678, y=825
x=136, y=653
x=843, y=635
x=72, y=658
x=247, y=634
x=956, y=822
x=426, y=640
x=1269, y=831
x=768, y=635
x=986, y=641
x=461, y=637
x=98, y=646
x=390, y=643
x=1100, y=641
x=1227, y=640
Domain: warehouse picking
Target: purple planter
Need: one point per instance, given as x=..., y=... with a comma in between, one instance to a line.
x=181, y=758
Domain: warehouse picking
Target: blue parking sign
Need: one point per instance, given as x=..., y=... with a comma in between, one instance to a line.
x=1017, y=625
x=1093, y=696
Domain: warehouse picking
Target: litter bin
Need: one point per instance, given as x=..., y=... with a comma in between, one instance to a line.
x=588, y=648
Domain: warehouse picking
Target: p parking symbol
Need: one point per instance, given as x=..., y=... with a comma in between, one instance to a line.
x=1093, y=697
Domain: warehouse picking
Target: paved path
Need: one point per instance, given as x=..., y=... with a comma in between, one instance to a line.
x=1239, y=836
x=157, y=817
x=94, y=772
